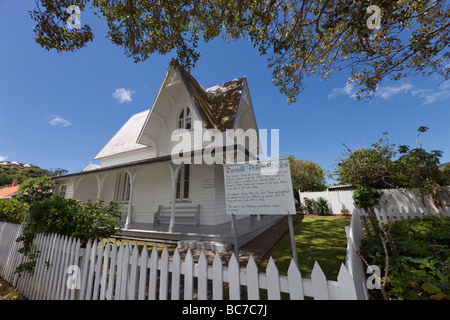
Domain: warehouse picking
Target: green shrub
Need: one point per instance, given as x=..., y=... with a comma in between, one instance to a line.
x=421, y=268
x=12, y=211
x=366, y=197
x=345, y=211
x=35, y=189
x=322, y=207
x=67, y=217
x=310, y=205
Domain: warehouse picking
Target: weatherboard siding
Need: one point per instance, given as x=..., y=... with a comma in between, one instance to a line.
x=130, y=156
x=219, y=195
x=87, y=189
x=153, y=187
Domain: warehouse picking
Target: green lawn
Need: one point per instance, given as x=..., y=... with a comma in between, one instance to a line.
x=317, y=238
x=7, y=292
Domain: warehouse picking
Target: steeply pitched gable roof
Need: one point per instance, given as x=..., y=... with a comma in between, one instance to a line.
x=217, y=105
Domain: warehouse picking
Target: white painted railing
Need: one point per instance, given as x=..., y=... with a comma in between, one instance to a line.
x=66, y=271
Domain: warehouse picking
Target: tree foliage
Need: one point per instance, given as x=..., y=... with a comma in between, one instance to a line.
x=366, y=197
x=299, y=37
x=8, y=173
x=12, y=210
x=388, y=166
x=367, y=167
x=306, y=175
x=35, y=189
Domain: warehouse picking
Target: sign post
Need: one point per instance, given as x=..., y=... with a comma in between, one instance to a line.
x=264, y=187
x=292, y=234
x=234, y=227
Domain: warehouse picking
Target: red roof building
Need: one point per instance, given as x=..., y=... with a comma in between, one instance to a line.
x=6, y=193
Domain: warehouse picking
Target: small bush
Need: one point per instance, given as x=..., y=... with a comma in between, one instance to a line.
x=322, y=207
x=310, y=205
x=345, y=211
x=67, y=217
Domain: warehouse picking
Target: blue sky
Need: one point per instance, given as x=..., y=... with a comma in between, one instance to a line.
x=59, y=110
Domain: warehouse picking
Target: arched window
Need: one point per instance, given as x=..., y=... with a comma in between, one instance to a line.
x=184, y=119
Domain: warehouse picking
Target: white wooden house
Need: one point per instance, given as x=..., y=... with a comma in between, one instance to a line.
x=137, y=169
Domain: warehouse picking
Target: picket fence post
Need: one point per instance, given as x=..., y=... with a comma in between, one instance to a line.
x=295, y=278
x=132, y=290
x=164, y=274
x=176, y=271
x=233, y=278
x=252, y=279
x=273, y=284
x=153, y=265
x=202, y=277
x=142, y=272
x=217, y=277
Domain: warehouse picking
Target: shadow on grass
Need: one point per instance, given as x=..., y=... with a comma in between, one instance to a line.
x=317, y=238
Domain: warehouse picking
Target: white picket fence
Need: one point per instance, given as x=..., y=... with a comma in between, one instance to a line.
x=355, y=234
x=105, y=270
x=10, y=258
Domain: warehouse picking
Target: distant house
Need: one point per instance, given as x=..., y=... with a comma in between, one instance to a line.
x=136, y=169
x=10, y=163
x=7, y=193
x=14, y=164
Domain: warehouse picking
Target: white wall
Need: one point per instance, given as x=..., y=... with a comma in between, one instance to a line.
x=87, y=189
x=391, y=199
x=221, y=216
x=154, y=187
x=129, y=156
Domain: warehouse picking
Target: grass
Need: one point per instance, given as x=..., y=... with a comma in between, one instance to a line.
x=7, y=292
x=317, y=238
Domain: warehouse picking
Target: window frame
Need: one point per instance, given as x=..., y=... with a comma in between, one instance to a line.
x=183, y=179
x=184, y=118
x=61, y=192
x=122, y=188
